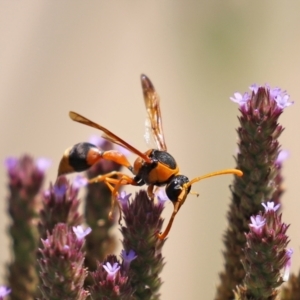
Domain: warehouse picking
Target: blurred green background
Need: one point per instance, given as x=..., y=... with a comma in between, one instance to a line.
x=87, y=56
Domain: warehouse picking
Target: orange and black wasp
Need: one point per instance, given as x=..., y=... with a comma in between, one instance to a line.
x=154, y=168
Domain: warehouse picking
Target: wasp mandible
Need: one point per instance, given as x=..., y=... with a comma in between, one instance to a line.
x=154, y=168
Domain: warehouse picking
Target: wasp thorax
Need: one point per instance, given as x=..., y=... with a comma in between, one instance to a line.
x=138, y=163
x=174, y=187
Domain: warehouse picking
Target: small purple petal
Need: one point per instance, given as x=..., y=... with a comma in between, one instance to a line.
x=43, y=164
x=10, y=163
x=111, y=270
x=80, y=181
x=80, y=232
x=282, y=156
x=240, y=99
x=60, y=190
x=124, y=198
x=257, y=223
x=46, y=242
x=275, y=92
x=282, y=101
x=287, y=267
x=254, y=87
x=270, y=206
x=66, y=247
x=4, y=291
x=128, y=257
x=161, y=195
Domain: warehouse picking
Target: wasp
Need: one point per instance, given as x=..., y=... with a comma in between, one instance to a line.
x=154, y=168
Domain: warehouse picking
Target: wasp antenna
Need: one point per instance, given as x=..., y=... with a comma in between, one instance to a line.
x=194, y=193
x=222, y=172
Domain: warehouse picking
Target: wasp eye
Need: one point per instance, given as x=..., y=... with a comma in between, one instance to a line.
x=174, y=188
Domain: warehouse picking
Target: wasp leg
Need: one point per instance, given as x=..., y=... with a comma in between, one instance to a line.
x=114, y=185
x=123, y=180
x=150, y=191
x=102, y=178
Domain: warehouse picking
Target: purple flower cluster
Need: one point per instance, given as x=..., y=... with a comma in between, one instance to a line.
x=62, y=264
x=267, y=259
x=257, y=257
x=260, y=159
x=25, y=179
x=111, y=280
x=60, y=205
x=279, y=96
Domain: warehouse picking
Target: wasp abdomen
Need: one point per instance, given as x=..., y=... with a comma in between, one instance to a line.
x=83, y=155
x=79, y=158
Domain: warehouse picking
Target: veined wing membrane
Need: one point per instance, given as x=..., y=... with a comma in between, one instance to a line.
x=108, y=135
x=152, y=100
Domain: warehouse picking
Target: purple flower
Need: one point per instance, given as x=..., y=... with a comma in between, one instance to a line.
x=257, y=223
x=80, y=232
x=60, y=190
x=270, y=206
x=79, y=181
x=282, y=101
x=111, y=270
x=161, y=195
x=124, y=198
x=274, y=92
x=279, y=96
x=4, y=291
x=282, y=156
x=254, y=87
x=127, y=258
x=287, y=267
x=240, y=99
x=43, y=164
x=10, y=163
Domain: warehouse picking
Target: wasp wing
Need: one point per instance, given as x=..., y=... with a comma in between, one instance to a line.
x=152, y=100
x=108, y=135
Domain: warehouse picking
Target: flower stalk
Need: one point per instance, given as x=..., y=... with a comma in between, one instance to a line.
x=26, y=177
x=257, y=158
x=143, y=222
